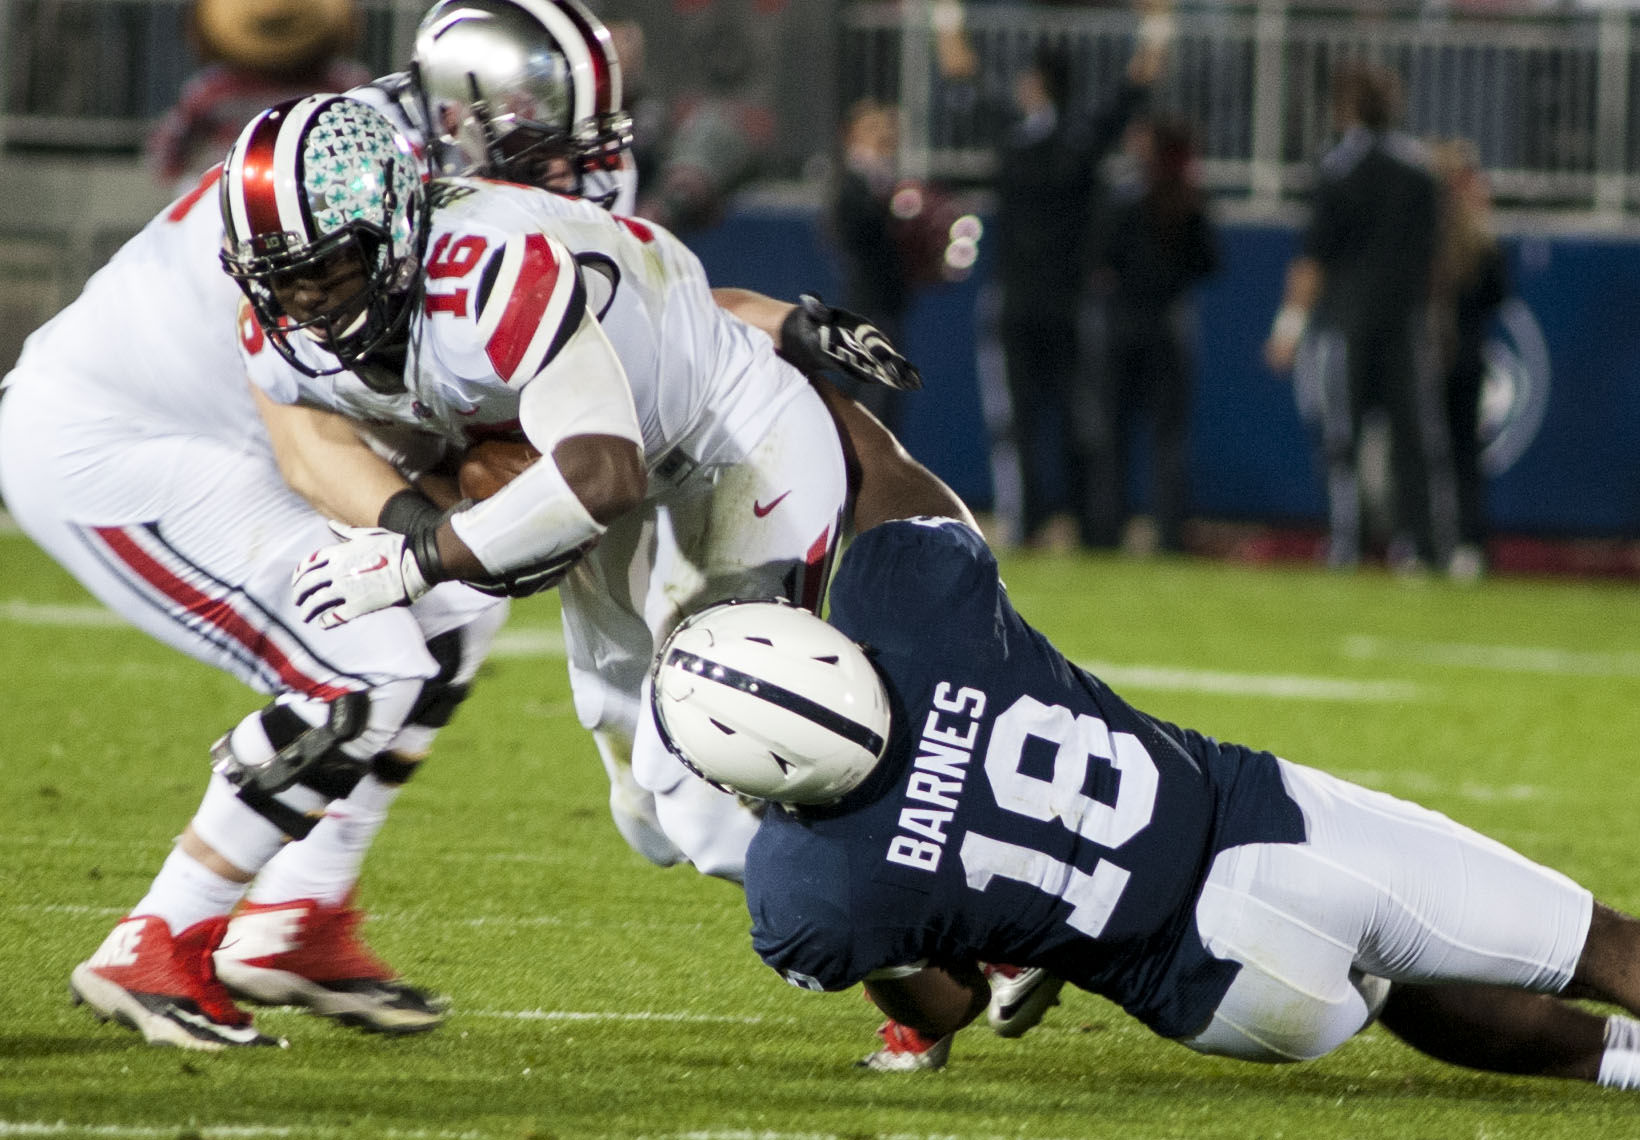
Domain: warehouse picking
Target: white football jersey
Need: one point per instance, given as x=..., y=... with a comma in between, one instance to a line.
x=511, y=272
x=148, y=347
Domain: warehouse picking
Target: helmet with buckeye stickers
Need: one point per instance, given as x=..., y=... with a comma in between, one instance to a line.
x=523, y=90
x=318, y=194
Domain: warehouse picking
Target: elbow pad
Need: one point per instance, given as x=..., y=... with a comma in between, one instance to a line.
x=534, y=518
x=584, y=391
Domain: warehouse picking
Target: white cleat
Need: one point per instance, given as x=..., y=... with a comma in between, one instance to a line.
x=1020, y=998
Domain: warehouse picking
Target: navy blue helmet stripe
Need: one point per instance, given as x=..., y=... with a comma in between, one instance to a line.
x=826, y=718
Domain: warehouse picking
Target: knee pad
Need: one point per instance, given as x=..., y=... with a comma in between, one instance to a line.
x=437, y=701
x=277, y=746
x=442, y=694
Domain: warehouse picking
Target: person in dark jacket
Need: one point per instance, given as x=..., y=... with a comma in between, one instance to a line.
x=1361, y=291
x=1048, y=187
x=1157, y=242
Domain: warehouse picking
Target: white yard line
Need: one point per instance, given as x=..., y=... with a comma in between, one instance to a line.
x=612, y=1015
x=79, y=615
x=1503, y=658
x=548, y=641
x=222, y=1131
x=49, y=1128
x=1276, y=685
x=528, y=641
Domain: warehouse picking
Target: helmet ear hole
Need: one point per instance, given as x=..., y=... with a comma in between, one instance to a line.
x=767, y=700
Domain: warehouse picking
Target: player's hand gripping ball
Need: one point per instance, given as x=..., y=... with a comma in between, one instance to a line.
x=489, y=466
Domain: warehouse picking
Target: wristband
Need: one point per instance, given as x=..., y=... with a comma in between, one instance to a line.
x=1289, y=323
x=408, y=511
x=422, y=546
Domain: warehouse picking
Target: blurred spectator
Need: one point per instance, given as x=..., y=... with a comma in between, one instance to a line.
x=1361, y=289
x=1471, y=282
x=875, y=282
x=256, y=53
x=1157, y=242
x=1047, y=186
x=716, y=137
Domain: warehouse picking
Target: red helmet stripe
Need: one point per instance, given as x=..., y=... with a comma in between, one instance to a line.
x=256, y=177
x=605, y=73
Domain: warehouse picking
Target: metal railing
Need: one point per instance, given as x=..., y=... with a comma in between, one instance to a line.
x=93, y=75
x=1549, y=100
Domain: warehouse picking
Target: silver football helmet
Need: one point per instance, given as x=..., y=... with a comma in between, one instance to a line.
x=523, y=90
x=314, y=188
x=768, y=700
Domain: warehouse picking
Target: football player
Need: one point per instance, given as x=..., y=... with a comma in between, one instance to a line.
x=134, y=454
x=530, y=91
x=1240, y=904
x=682, y=460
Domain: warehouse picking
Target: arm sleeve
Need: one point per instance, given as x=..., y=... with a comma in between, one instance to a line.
x=807, y=923
x=504, y=302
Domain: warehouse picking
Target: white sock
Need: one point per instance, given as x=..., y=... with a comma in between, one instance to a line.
x=1620, y=1063
x=240, y=834
x=186, y=892
x=325, y=866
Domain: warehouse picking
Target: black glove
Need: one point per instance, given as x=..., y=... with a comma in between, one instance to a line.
x=817, y=337
x=528, y=580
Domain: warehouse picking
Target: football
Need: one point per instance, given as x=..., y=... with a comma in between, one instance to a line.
x=489, y=466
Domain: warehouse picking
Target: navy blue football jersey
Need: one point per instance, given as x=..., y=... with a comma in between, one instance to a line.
x=1023, y=813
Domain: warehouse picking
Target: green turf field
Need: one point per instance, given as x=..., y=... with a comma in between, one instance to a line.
x=598, y=996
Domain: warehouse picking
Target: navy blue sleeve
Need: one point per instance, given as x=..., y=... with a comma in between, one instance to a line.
x=898, y=580
x=798, y=892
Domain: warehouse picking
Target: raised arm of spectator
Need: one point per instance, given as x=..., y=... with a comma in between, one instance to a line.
x=1152, y=42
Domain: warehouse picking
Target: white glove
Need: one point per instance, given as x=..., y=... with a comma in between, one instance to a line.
x=369, y=571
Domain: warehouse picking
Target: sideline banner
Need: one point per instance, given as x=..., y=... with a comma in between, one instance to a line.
x=1561, y=409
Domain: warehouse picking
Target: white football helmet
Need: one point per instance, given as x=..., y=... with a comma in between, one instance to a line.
x=524, y=90
x=768, y=700
x=316, y=179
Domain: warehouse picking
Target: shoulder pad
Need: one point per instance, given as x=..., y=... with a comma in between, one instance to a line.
x=500, y=301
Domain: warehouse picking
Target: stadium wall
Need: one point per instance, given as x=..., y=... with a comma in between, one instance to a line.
x=1563, y=405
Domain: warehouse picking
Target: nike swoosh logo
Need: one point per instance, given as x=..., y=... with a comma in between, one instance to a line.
x=381, y=563
x=760, y=510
